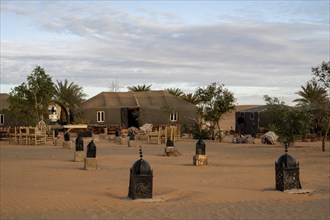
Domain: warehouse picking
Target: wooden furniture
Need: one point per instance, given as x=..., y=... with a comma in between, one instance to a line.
x=37, y=136
x=23, y=137
x=13, y=135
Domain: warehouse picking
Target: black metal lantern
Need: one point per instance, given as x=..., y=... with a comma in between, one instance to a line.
x=66, y=136
x=117, y=132
x=79, y=143
x=287, y=172
x=131, y=136
x=140, y=183
x=169, y=142
x=91, y=150
x=200, y=147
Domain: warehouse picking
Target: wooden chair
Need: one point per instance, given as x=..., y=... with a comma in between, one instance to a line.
x=13, y=135
x=23, y=135
x=37, y=136
x=157, y=134
x=50, y=134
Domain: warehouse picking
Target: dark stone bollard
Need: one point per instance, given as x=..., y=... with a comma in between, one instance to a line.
x=287, y=172
x=117, y=136
x=170, y=150
x=117, y=132
x=169, y=143
x=200, y=147
x=200, y=158
x=79, y=154
x=79, y=143
x=131, y=136
x=140, y=182
x=67, y=141
x=91, y=161
x=67, y=136
x=91, y=150
x=131, y=141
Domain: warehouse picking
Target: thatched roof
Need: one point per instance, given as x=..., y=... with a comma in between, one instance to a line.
x=110, y=99
x=135, y=99
x=4, y=104
x=255, y=109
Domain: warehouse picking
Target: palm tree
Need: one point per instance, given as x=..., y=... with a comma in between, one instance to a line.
x=316, y=100
x=70, y=97
x=311, y=95
x=139, y=88
x=175, y=91
x=189, y=97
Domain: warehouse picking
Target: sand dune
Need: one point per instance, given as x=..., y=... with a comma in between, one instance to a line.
x=43, y=182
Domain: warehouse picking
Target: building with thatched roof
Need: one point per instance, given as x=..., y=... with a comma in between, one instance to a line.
x=4, y=106
x=127, y=109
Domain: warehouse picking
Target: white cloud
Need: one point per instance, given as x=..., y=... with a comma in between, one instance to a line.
x=94, y=46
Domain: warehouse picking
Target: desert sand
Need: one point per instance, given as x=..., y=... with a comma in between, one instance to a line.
x=43, y=182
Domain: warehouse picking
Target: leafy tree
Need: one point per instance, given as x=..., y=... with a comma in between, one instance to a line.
x=214, y=102
x=29, y=101
x=139, y=88
x=175, y=91
x=322, y=74
x=192, y=98
x=70, y=97
x=20, y=106
x=289, y=123
x=313, y=98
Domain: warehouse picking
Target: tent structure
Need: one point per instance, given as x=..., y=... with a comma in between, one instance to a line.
x=4, y=105
x=127, y=109
x=251, y=121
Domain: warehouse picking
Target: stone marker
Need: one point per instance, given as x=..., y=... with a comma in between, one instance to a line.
x=91, y=161
x=140, y=181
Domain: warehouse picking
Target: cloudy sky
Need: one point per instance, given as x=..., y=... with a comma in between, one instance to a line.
x=252, y=47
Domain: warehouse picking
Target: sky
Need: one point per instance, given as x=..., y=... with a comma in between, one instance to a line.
x=253, y=48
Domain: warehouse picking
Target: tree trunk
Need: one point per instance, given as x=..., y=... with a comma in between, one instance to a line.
x=219, y=133
x=36, y=106
x=325, y=135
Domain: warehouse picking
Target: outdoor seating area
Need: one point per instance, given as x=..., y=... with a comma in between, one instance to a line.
x=29, y=135
x=162, y=133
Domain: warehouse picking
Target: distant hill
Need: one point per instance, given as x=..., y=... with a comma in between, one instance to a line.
x=227, y=122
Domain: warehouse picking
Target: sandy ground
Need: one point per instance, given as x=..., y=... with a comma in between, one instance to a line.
x=43, y=182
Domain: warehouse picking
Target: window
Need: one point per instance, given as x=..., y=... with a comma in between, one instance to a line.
x=242, y=114
x=252, y=116
x=2, y=119
x=174, y=116
x=100, y=116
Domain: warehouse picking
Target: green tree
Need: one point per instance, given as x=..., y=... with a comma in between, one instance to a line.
x=70, y=97
x=20, y=109
x=289, y=123
x=321, y=75
x=214, y=102
x=29, y=101
x=139, y=88
x=175, y=91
